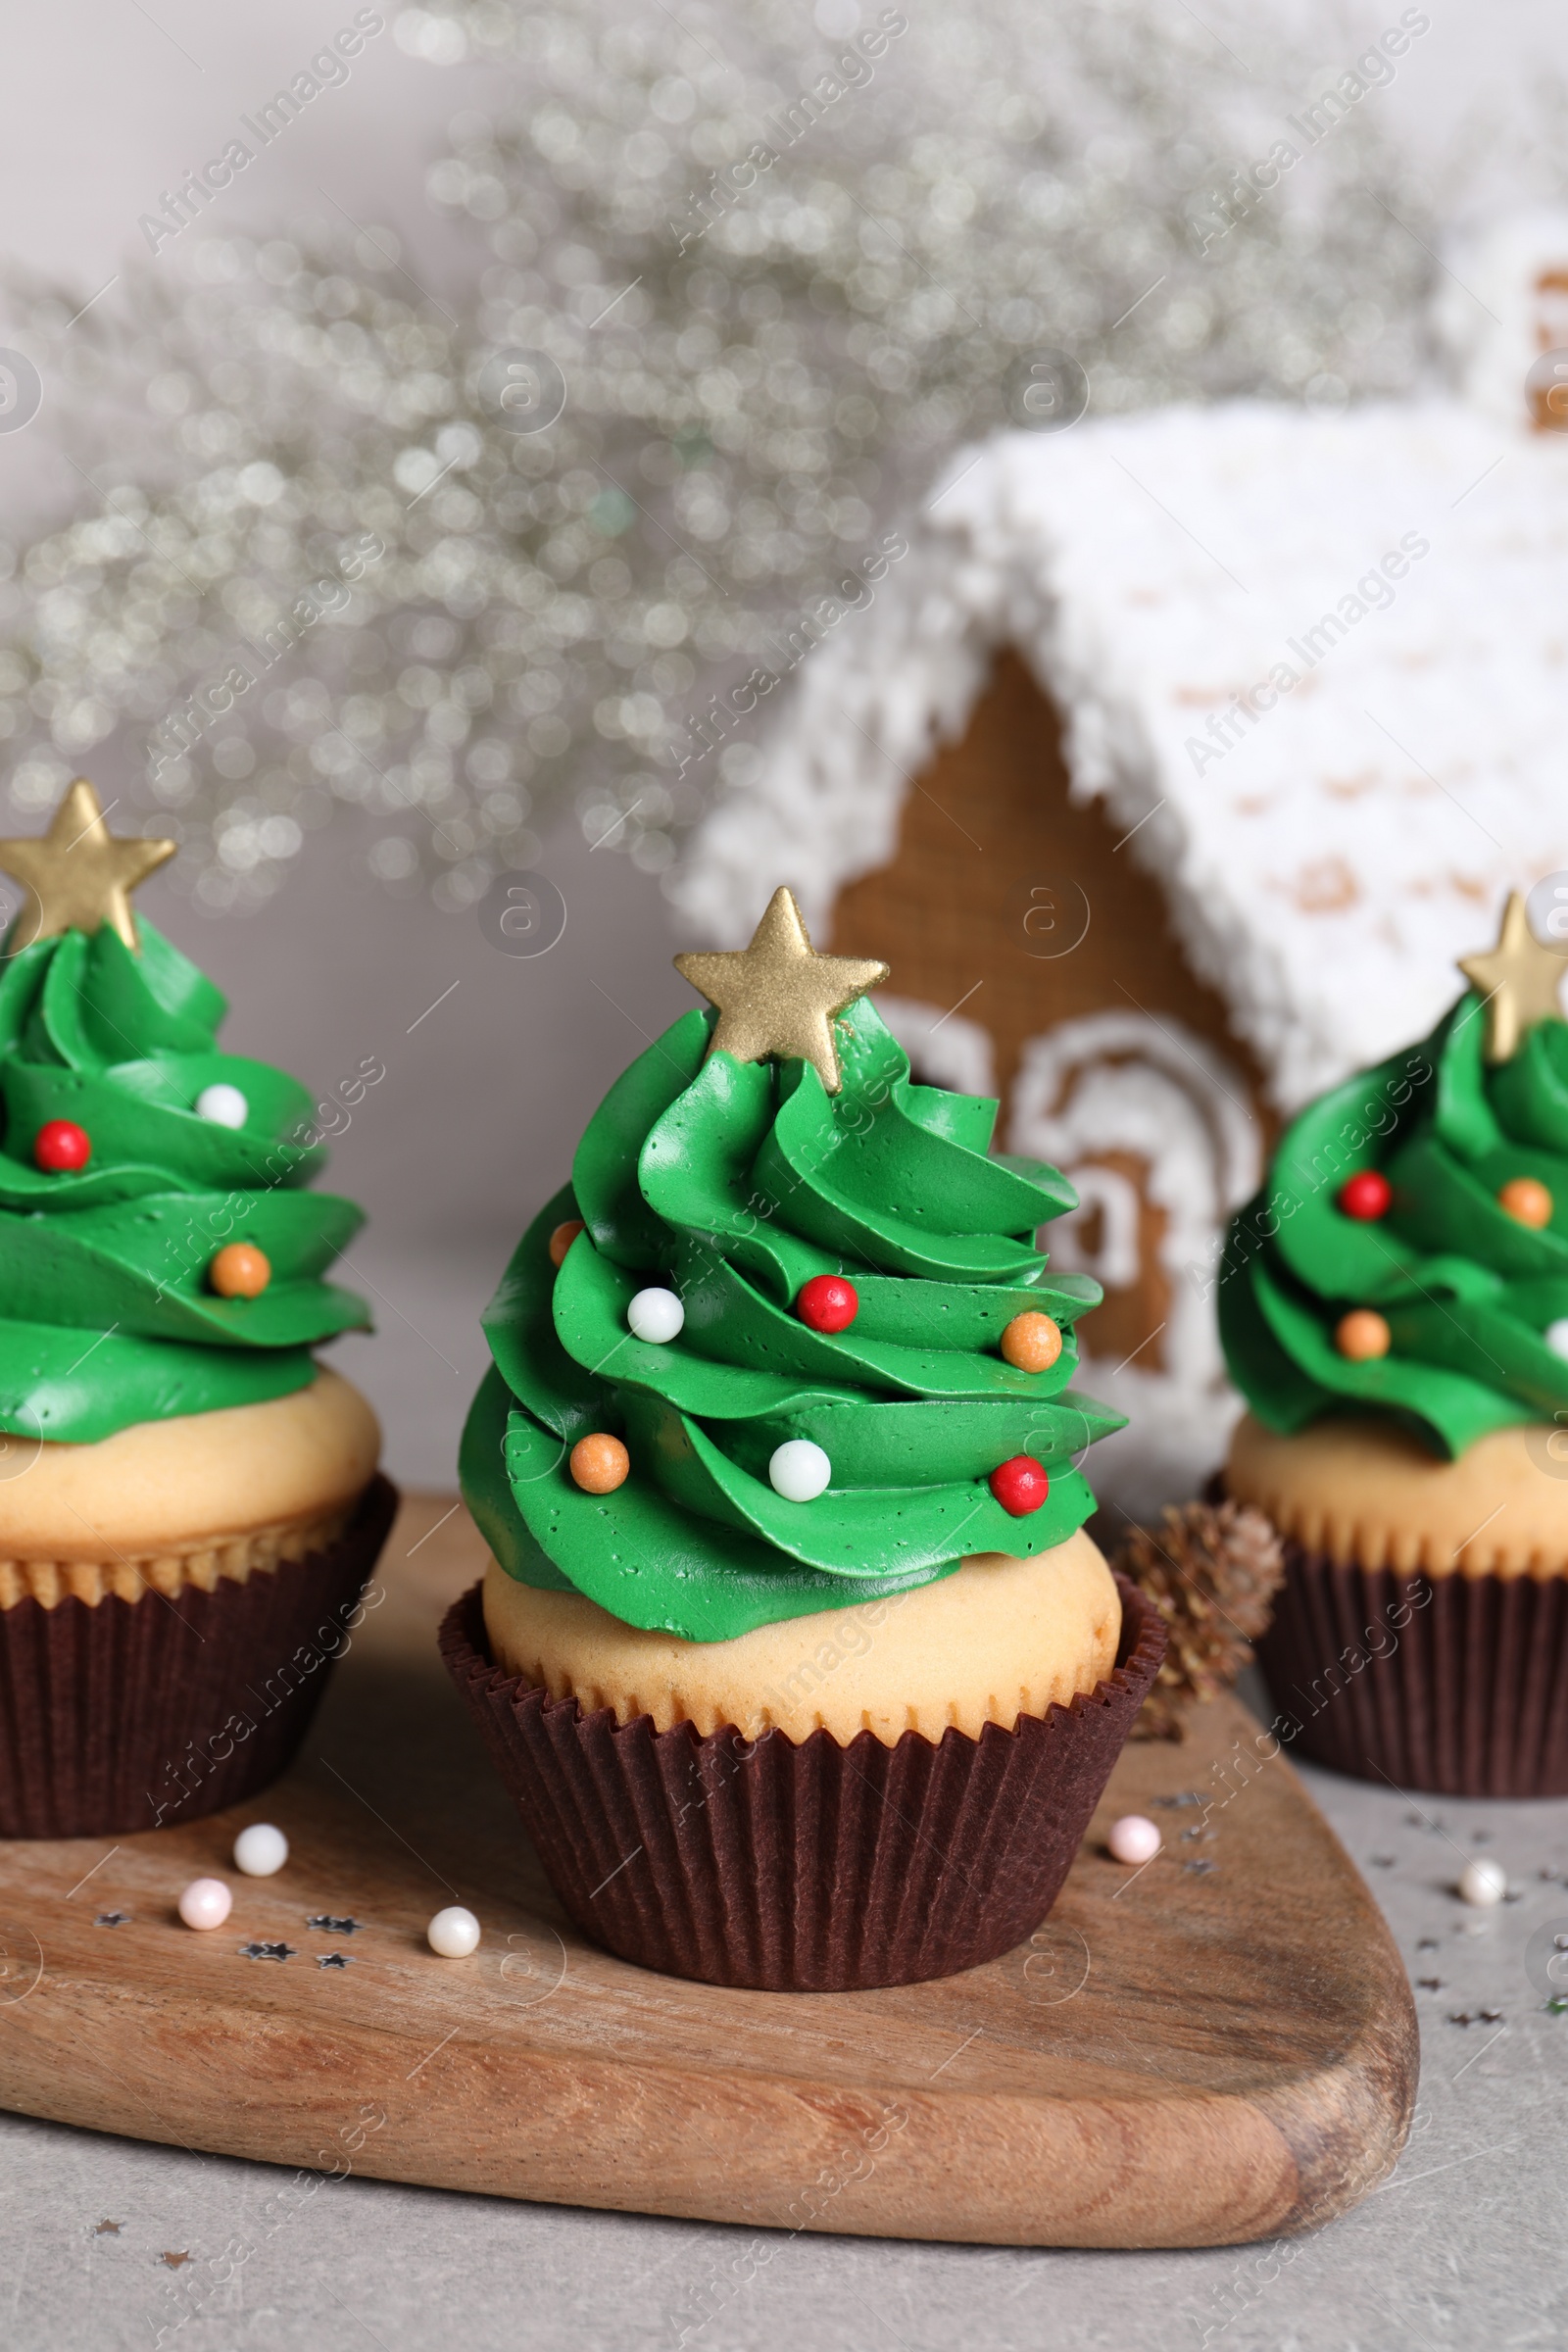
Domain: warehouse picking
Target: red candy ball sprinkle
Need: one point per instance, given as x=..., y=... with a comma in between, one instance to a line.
x=1366, y=1196
x=1019, y=1486
x=61, y=1145
x=827, y=1303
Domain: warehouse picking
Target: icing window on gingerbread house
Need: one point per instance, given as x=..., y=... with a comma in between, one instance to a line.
x=1501, y=313
x=1547, y=384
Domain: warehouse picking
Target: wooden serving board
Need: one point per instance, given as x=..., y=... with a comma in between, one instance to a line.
x=1217, y=2048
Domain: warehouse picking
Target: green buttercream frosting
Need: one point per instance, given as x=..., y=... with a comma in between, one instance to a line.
x=106, y=1313
x=1467, y=1290
x=732, y=1184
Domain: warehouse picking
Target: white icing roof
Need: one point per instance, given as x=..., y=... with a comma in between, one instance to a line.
x=1325, y=870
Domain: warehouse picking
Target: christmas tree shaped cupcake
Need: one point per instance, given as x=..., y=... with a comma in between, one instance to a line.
x=188, y=1502
x=1393, y=1307
x=793, y=1650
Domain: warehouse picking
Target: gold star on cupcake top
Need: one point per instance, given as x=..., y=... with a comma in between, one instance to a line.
x=77, y=876
x=1518, y=979
x=778, y=995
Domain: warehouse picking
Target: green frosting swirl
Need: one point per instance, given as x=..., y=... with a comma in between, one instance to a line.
x=734, y=1183
x=1468, y=1291
x=106, y=1315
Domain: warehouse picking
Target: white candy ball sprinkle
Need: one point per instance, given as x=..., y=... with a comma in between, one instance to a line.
x=205, y=1903
x=1556, y=1336
x=1133, y=1839
x=799, y=1470
x=224, y=1105
x=452, y=1933
x=657, y=1316
x=260, y=1850
x=1483, y=1882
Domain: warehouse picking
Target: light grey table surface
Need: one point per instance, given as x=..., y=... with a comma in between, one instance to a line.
x=1464, y=2245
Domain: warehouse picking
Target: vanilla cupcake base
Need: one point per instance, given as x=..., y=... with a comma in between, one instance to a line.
x=256, y=1483
x=238, y=1557
x=1370, y=1492
x=803, y=1865
x=998, y=1639
x=1420, y=1639
x=172, y=1599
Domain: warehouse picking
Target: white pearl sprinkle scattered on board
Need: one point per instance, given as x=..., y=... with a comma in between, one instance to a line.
x=1133, y=1839
x=205, y=1903
x=260, y=1850
x=1483, y=1882
x=799, y=1470
x=224, y=1105
x=1556, y=1336
x=658, y=1316
x=452, y=1933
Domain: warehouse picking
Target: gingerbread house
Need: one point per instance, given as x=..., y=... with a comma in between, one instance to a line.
x=1171, y=771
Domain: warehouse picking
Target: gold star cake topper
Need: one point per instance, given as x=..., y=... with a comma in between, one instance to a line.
x=779, y=996
x=77, y=876
x=1518, y=980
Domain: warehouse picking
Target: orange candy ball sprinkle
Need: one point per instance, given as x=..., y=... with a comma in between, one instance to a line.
x=1032, y=1343
x=1527, y=1201
x=562, y=1238
x=1362, y=1335
x=599, y=1463
x=240, y=1271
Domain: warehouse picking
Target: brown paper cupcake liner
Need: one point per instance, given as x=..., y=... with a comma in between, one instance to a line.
x=128, y=1715
x=1456, y=1685
x=810, y=1866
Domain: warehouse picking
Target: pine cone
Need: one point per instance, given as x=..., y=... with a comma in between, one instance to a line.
x=1213, y=1571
